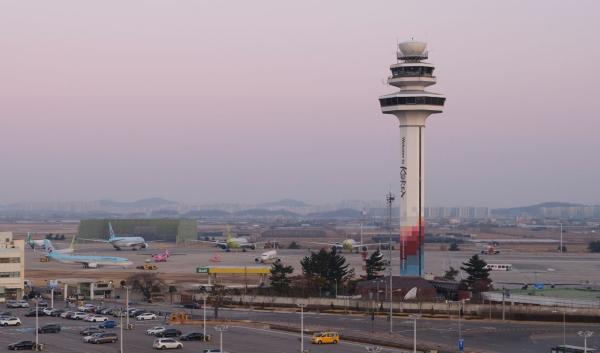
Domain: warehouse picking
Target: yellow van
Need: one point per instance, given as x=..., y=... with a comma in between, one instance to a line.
x=325, y=338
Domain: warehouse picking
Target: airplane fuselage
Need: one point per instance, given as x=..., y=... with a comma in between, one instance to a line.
x=128, y=242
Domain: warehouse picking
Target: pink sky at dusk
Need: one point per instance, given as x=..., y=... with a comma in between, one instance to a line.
x=251, y=101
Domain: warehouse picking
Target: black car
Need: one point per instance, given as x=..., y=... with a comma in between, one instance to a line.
x=105, y=338
x=31, y=313
x=193, y=305
x=50, y=328
x=88, y=331
x=56, y=312
x=170, y=332
x=21, y=345
x=192, y=336
x=42, y=304
x=5, y=313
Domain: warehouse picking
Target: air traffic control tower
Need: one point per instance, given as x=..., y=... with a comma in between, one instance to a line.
x=412, y=105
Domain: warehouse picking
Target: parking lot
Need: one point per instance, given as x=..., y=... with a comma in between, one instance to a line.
x=237, y=339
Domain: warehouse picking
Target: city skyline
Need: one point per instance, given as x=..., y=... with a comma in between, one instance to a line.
x=181, y=104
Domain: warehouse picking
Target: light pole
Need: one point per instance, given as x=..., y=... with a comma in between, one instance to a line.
x=564, y=325
x=301, y=306
x=37, y=334
x=414, y=317
x=121, y=329
x=52, y=297
x=204, y=317
x=373, y=349
x=221, y=329
x=585, y=335
x=127, y=305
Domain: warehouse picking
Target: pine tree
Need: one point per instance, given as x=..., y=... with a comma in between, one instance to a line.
x=479, y=274
x=326, y=269
x=280, y=282
x=374, y=265
x=451, y=274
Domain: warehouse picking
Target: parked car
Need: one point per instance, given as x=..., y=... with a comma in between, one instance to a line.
x=87, y=339
x=108, y=324
x=57, y=312
x=41, y=304
x=146, y=316
x=154, y=330
x=47, y=311
x=67, y=314
x=170, y=332
x=22, y=304
x=213, y=350
x=325, y=338
x=106, y=311
x=12, y=304
x=88, y=331
x=78, y=315
x=106, y=337
x=192, y=336
x=167, y=343
x=86, y=307
x=136, y=312
x=10, y=321
x=5, y=313
x=21, y=345
x=33, y=313
x=96, y=318
x=49, y=328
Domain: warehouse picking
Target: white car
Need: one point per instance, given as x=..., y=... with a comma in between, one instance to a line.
x=146, y=316
x=86, y=307
x=23, y=303
x=10, y=321
x=167, y=343
x=87, y=339
x=96, y=318
x=64, y=314
x=79, y=316
x=156, y=329
x=47, y=311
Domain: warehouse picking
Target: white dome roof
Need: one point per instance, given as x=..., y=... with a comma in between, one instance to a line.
x=412, y=48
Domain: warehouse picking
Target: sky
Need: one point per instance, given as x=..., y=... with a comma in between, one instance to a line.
x=253, y=101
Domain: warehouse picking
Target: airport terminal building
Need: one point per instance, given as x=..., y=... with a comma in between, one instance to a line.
x=12, y=267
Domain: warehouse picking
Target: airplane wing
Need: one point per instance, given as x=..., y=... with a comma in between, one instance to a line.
x=94, y=240
x=328, y=244
x=372, y=244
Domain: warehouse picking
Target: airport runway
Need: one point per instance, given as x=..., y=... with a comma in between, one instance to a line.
x=527, y=267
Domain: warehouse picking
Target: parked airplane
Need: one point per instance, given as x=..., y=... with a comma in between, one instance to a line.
x=119, y=242
x=40, y=243
x=88, y=261
x=350, y=244
x=231, y=243
x=161, y=256
x=268, y=257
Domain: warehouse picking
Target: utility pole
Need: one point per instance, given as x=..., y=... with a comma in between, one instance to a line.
x=390, y=199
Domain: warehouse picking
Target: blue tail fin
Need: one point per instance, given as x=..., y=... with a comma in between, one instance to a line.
x=111, y=233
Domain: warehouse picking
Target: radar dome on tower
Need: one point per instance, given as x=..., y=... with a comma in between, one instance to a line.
x=412, y=50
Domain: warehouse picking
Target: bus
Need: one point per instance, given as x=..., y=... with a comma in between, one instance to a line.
x=570, y=349
x=499, y=267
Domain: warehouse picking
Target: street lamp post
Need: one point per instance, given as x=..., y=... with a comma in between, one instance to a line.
x=121, y=329
x=221, y=329
x=127, y=305
x=204, y=317
x=301, y=306
x=414, y=317
x=52, y=297
x=585, y=335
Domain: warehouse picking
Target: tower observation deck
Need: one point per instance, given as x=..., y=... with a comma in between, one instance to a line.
x=412, y=105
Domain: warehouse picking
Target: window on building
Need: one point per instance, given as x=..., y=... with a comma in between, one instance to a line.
x=10, y=274
x=10, y=260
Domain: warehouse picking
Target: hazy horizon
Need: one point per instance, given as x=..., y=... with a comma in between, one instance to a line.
x=250, y=102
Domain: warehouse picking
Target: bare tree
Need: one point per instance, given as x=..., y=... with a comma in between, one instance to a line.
x=146, y=283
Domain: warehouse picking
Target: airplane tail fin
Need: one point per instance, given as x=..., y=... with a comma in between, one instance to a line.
x=29, y=241
x=72, y=246
x=228, y=232
x=111, y=233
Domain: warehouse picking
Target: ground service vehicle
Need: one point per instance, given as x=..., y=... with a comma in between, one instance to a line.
x=50, y=328
x=148, y=267
x=170, y=332
x=107, y=337
x=10, y=321
x=21, y=345
x=325, y=338
x=167, y=343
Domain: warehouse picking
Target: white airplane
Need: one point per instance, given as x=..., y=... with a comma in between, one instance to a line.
x=268, y=257
x=350, y=244
x=119, y=242
x=41, y=244
x=88, y=261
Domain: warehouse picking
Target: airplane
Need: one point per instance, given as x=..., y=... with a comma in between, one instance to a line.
x=119, y=242
x=161, y=256
x=268, y=257
x=88, y=261
x=232, y=243
x=40, y=243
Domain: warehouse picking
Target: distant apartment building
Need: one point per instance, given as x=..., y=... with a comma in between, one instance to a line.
x=12, y=267
x=456, y=212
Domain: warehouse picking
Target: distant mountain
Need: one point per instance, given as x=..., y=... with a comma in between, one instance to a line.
x=344, y=213
x=533, y=210
x=261, y=212
x=283, y=203
x=148, y=202
x=207, y=214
